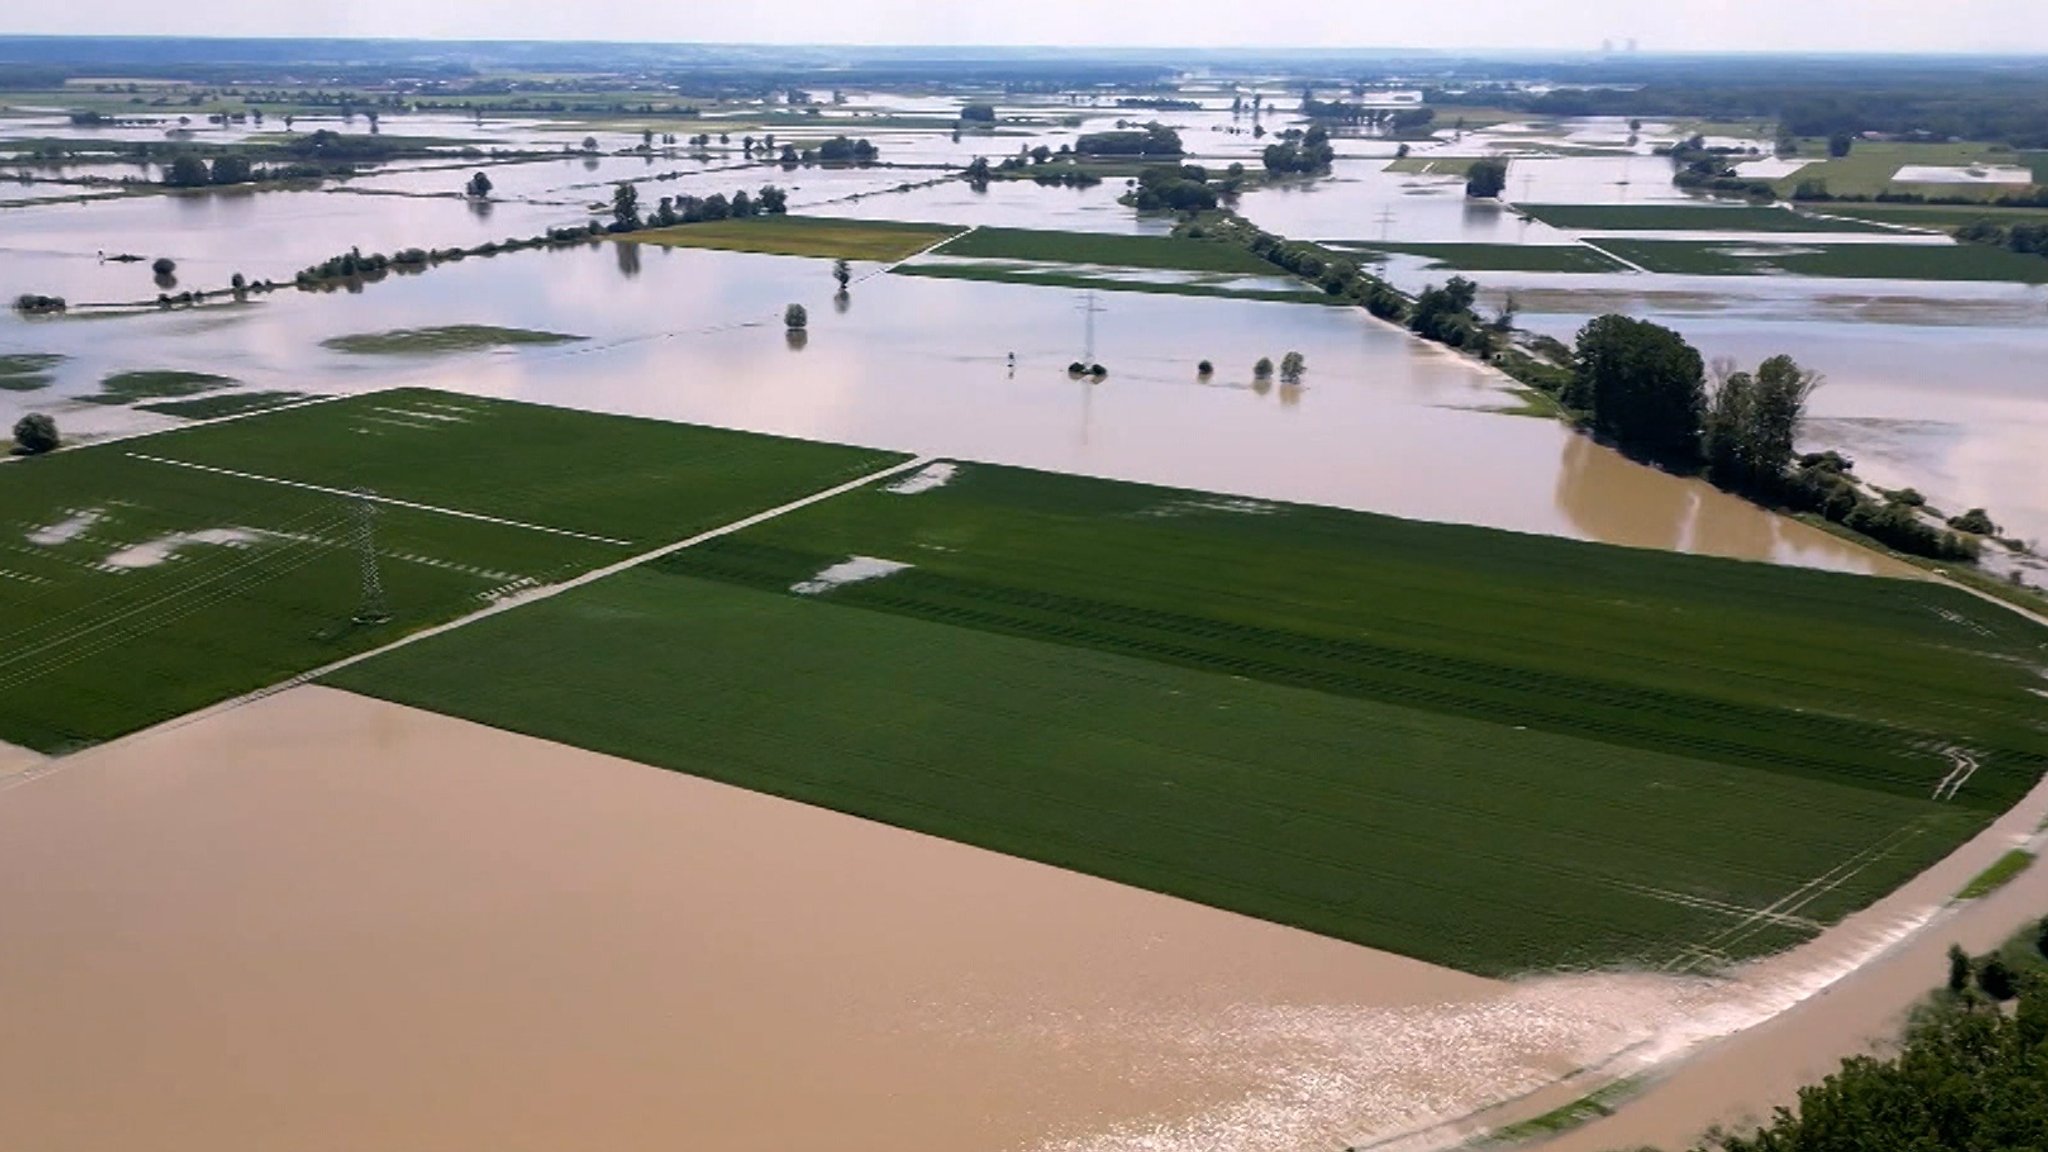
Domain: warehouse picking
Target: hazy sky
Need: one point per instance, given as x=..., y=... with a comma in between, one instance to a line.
x=1660, y=25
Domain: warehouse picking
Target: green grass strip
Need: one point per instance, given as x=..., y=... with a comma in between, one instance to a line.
x=1163, y=252
x=1685, y=218
x=1000, y=274
x=2001, y=873
x=816, y=236
x=442, y=339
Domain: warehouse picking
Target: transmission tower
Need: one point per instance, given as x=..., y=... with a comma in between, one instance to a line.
x=374, y=609
x=1088, y=308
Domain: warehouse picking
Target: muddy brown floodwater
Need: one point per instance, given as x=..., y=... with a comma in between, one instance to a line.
x=325, y=922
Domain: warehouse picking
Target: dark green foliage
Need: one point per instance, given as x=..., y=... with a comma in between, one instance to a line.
x=625, y=206
x=1104, y=248
x=2041, y=940
x=479, y=185
x=1998, y=981
x=1173, y=188
x=163, y=266
x=1968, y=1080
x=978, y=113
x=1645, y=388
x=35, y=304
x=1840, y=143
x=1687, y=218
x=1151, y=140
x=846, y=150
x=1445, y=315
x=187, y=170
x=1300, y=151
x=1486, y=179
x=1751, y=423
x=35, y=434
x=1960, y=969
x=795, y=317
x=1205, y=369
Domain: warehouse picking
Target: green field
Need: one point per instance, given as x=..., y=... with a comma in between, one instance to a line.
x=1870, y=166
x=27, y=371
x=1864, y=261
x=823, y=236
x=138, y=589
x=156, y=384
x=1053, y=276
x=1940, y=217
x=1499, y=752
x=444, y=339
x=224, y=404
x=1164, y=252
x=1685, y=218
x=1495, y=257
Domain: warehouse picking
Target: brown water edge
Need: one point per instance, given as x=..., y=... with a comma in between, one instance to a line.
x=320, y=921
x=1726, y=1057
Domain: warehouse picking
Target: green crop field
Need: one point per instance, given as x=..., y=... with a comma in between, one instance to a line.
x=224, y=404
x=1496, y=257
x=1860, y=261
x=1500, y=752
x=444, y=339
x=1871, y=167
x=137, y=589
x=1940, y=217
x=823, y=236
x=1685, y=218
x=1059, y=276
x=27, y=371
x=1171, y=252
x=156, y=384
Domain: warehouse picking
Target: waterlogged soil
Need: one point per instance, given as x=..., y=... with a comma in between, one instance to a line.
x=322, y=921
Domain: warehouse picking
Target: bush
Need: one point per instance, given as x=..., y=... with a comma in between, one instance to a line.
x=795, y=318
x=1205, y=369
x=1077, y=369
x=1997, y=980
x=1292, y=366
x=1976, y=521
x=164, y=266
x=2041, y=941
x=33, y=304
x=1906, y=496
x=1263, y=370
x=1097, y=371
x=35, y=434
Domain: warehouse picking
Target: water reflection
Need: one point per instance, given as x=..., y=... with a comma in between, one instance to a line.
x=797, y=338
x=628, y=258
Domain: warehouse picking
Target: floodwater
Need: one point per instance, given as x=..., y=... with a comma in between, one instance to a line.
x=326, y=922
x=1383, y=422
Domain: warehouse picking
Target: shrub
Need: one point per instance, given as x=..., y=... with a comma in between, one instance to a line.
x=1097, y=371
x=1205, y=369
x=1959, y=969
x=1263, y=370
x=795, y=318
x=35, y=434
x=1077, y=369
x=33, y=304
x=1976, y=521
x=1292, y=366
x=164, y=266
x=1997, y=980
x=1907, y=496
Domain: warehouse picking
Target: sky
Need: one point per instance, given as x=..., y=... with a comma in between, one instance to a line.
x=2002, y=26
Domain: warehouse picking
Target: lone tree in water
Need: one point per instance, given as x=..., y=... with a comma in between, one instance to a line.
x=625, y=207
x=1959, y=969
x=795, y=318
x=842, y=272
x=1263, y=370
x=35, y=434
x=479, y=186
x=1292, y=366
x=1486, y=179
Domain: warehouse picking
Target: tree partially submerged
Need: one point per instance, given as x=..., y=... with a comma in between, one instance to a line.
x=795, y=318
x=1486, y=179
x=1645, y=388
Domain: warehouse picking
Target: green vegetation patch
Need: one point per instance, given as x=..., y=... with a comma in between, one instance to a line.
x=2001, y=873
x=138, y=589
x=160, y=384
x=1459, y=166
x=1860, y=261
x=27, y=371
x=442, y=339
x=1499, y=752
x=1497, y=257
x=1051, y=277
x=645, y=482
x=1165, y=252
x=1870, y=167
x=1686, y=218
x=822, y=236
x=224, y=404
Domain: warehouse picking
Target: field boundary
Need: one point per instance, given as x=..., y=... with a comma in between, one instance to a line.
x=377, y=499
x=56, y=763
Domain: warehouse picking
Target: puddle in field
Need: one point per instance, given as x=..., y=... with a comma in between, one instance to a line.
x=852, y=570
x=66, y=530
x=151, y=553
x=936, y=475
